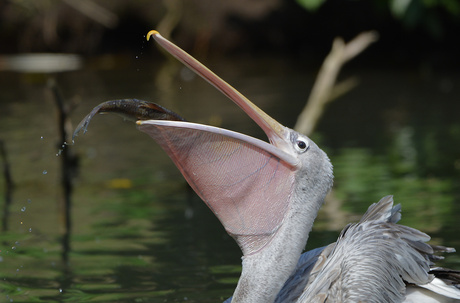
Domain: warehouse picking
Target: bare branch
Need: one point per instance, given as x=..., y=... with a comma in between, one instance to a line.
x=323, y=89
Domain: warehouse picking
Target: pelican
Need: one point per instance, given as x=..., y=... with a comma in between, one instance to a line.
x=267, y=196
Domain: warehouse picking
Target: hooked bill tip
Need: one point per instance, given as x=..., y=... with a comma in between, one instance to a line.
x=152, y=33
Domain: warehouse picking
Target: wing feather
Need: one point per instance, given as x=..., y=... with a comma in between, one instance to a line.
x=375, y=259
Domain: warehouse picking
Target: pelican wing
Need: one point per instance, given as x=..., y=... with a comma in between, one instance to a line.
x=309, y=265
x=373, y=260
x=243, y=180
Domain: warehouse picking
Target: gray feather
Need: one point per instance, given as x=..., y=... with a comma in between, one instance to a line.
x=372, y=261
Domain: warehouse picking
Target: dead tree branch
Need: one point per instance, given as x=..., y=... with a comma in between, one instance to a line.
x=325, y=89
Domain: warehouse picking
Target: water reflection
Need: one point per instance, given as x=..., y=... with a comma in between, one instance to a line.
x=141, y=235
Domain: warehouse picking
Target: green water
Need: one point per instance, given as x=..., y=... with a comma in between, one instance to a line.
x=141, y=235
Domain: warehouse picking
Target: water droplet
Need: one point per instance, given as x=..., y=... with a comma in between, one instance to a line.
x=137, y=57
x=45, y=172
x=41, y=138
x=23, y=209
x=30, y=229
x=60, y=290
x=13, y=247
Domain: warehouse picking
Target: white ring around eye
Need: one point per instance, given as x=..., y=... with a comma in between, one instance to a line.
x=301, y=145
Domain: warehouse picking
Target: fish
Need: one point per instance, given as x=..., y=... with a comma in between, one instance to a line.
x=130, y=109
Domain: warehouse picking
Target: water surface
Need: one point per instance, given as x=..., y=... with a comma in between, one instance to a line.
x=141, y=235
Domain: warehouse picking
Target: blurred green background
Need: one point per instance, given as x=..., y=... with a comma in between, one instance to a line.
x=410, y=29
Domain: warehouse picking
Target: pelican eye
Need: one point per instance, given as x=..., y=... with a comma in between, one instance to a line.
x=301, y=145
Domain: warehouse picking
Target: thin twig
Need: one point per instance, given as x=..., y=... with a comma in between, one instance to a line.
x=95, y=12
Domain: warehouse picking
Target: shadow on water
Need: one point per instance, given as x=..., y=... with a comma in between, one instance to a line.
x=141, y=235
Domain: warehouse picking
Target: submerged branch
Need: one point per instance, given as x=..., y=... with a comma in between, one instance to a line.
x=69, y=166
x=9, y=186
